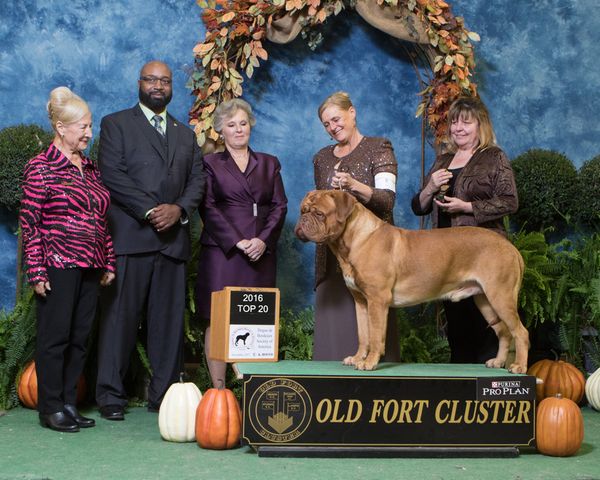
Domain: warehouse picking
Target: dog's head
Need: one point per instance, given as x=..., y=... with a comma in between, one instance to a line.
x=323, y=215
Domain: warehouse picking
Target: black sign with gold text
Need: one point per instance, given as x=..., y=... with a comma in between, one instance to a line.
x=388, y=411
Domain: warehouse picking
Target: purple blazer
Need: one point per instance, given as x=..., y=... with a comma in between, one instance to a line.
x=239, y=205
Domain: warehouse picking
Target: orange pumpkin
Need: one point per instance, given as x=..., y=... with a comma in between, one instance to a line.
x=28, y=393
x=559, y=377
x=218, y=420
x=558, y=427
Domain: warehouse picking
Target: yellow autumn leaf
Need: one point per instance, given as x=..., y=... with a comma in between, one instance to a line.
x=474, y=36
x=262, y=53
x=203, y=48
x=459, y=59
x=213, y=135
x=228, y=17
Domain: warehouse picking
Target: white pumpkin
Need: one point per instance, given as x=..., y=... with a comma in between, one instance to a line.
x=592, y=389
x=177, y=413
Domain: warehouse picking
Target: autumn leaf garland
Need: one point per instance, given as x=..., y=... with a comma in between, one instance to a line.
x=233, y=47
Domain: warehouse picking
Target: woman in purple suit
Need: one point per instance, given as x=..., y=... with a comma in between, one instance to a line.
x=243, y=214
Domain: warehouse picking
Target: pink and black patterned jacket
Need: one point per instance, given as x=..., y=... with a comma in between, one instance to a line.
x=63, y=216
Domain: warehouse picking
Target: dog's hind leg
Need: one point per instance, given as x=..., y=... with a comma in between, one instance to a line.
x=505, y=305
x=362, y=323
x=499, y=327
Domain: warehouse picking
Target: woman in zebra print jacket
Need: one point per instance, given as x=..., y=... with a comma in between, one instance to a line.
x=68, y=254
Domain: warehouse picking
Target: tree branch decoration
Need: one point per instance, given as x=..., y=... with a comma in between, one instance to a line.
x=234, y=46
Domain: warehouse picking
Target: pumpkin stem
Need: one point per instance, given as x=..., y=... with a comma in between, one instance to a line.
x=221, y=384
x=181, y=374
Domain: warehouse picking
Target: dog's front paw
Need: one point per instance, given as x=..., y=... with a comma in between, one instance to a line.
x=516, y=368
x=351, y=360
x=494, y=363
x=369, y=363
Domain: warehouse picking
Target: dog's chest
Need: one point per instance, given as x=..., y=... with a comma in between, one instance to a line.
x=349, y=280
x=349, y=276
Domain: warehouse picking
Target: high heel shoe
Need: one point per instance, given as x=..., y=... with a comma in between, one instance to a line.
x=59, y=421
x=83, y=422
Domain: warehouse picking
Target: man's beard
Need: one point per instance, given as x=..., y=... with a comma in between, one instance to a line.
x=154, y=103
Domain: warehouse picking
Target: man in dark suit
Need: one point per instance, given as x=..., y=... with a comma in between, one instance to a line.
x=152, y=166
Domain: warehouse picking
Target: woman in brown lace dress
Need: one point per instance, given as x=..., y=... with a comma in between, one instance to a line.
x=478, y=189
x=366, y=168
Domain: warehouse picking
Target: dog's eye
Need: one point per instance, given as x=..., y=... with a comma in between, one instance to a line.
x=319, y=214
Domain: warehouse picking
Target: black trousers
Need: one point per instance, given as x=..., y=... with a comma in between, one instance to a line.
x=150, y=286
x=470, y=337
x=64, y=321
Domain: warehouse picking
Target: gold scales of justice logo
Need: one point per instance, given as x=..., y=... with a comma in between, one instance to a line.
x=280, y=410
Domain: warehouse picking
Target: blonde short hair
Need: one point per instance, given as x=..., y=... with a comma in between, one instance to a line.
x=467, y=108
x=66, y=107
x=228, y=109
x=337, y=99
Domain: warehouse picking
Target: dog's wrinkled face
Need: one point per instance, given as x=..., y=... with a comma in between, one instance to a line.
x=323, y=215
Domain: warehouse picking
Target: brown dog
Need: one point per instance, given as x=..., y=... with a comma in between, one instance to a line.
x=386, y=266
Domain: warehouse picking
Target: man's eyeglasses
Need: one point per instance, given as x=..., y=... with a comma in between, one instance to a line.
x=152, y=80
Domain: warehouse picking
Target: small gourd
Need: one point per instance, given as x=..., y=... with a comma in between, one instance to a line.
x=592, y=390
x=558, y=427
x=177, y=413
x=218, y=420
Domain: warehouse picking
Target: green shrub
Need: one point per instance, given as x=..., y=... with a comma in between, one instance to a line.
x=17, y=345
x=547, y=186
x=17, y=145
x=588, y=208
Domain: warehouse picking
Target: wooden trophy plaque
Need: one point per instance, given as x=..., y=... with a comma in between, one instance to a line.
x=244, y=324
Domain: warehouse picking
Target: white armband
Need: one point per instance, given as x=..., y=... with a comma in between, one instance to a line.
x=386, y=181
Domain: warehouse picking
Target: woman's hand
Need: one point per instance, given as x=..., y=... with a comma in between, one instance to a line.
x=256, y=248
x=345, y=181
x=107, y=279
x=342, y=181
x=242, y=245
x=437, y=179
x=454, y=205
x=41, y=288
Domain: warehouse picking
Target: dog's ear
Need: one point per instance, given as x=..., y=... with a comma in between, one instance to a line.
x=344, y=204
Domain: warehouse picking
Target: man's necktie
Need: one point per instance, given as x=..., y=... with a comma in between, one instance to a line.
x=157, y=120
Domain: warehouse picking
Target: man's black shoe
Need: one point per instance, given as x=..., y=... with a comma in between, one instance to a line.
x=58, y=421
x=80, y=420
x=112, y=412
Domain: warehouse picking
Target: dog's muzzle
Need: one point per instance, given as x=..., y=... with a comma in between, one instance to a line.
x=299, y=231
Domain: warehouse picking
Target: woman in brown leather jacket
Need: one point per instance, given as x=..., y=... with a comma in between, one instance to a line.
x=472, y=184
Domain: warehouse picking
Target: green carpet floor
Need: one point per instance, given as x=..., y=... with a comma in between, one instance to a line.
x=133, y=449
